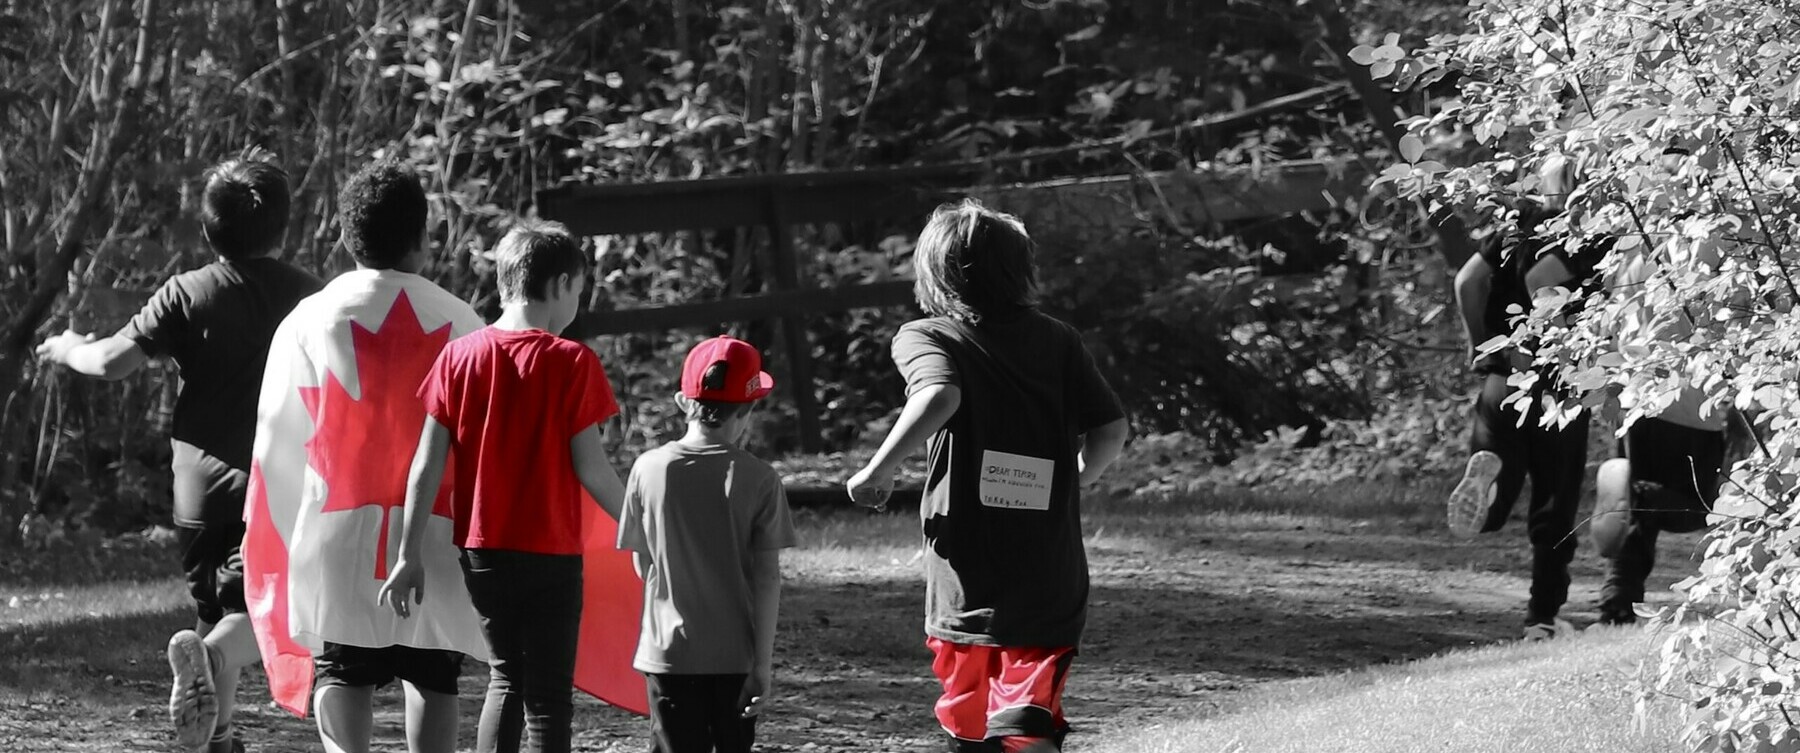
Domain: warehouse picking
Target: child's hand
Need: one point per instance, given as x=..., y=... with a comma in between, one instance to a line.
x=871, y=487
x=56, y=348
x=750, y=699
x=405, y=586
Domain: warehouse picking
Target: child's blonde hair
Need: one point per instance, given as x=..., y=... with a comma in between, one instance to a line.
x=973, y=262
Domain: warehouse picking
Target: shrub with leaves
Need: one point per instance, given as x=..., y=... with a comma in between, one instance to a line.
x=1679, y=122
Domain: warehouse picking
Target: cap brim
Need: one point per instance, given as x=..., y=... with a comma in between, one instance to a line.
x=766, y=386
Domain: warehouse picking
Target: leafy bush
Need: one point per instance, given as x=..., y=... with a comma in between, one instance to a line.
x=1608, y=86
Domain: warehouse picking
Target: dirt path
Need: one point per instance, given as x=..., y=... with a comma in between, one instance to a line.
x=1189, y=609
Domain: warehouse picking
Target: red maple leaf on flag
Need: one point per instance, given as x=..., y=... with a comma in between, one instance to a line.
x=364, y=447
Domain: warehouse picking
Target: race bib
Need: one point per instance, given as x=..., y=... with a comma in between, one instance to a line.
x=1015, y=482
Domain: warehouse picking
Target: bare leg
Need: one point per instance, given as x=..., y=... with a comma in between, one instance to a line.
x=430, y=721
x=346, y=717
x=232, y=646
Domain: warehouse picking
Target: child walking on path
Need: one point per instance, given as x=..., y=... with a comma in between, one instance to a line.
x=1016, y=417
x=329, y=469
x=707, y=522
x=215, y=323
x=521, y=409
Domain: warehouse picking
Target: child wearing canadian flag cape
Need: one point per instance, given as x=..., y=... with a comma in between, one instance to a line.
x=329, y=474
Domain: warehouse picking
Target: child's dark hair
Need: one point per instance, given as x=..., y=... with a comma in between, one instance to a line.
x=532, y=255
x=973, y=262
x=714, y=413
x=244, y=206
x=382, y=212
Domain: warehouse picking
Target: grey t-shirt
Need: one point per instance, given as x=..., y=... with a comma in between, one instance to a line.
x=701, y=512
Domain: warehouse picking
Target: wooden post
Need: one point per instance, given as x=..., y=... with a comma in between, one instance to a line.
x=799, y=378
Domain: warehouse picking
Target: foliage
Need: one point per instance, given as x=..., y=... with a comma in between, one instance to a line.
x=495, y=100
x=1607, y=86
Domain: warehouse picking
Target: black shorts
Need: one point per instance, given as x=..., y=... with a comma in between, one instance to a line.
x=1675, y=473
x=212, y=557
x=432, y=669
x=209, y=520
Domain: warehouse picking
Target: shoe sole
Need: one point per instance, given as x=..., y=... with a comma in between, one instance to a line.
x=1473, y=497
x=1548, y=632
x=193, y=700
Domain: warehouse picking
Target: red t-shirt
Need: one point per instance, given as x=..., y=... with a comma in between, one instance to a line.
x=512, y=401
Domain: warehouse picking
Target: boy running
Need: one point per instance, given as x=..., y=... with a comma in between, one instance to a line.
x=215, y=323
x=1665, y=472
x=707, y=522
x=521, y=409
x=1016, y=417
x=331, y=464
x=1505, y=446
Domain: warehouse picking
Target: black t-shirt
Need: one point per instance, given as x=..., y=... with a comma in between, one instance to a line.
x=216, y=322
x=1004, y=562
x=1510, y=254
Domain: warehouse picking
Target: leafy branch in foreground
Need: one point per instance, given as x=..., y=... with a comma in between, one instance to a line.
x=1681, y=124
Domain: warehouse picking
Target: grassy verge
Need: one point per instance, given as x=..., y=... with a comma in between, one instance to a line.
x=1566, y=695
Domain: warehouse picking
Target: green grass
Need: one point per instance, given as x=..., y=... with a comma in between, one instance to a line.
x=1571, y=695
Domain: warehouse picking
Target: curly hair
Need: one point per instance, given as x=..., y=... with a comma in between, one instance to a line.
x=382, y=213
x=244, y=205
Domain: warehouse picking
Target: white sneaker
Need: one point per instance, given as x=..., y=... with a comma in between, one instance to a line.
x=193, y=701
x=1474, y=496
x=1544, y=631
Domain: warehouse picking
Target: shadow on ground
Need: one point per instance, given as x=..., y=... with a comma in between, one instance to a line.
x=1186, y=614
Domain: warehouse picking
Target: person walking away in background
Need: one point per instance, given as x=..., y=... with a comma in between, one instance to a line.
x=215, y=323
x=1504, y=445
x=707, y=521
x=333, y=447
x=520, y=408
x=1665, y=472
x=1016, y=418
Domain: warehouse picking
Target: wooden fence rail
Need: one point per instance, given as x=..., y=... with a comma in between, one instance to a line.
x=778, y=202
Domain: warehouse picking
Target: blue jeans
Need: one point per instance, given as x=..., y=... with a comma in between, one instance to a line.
x=530, y=607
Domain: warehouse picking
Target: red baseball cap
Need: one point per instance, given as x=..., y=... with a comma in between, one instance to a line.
x=743, y=380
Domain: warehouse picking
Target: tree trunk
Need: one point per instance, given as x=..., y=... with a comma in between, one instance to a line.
x=94, y=183
x=1453, y=238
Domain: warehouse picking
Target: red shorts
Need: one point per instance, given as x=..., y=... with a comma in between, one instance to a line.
x=1000, y=691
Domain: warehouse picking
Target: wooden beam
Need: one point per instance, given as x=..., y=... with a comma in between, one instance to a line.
x=715, y=315
x=806, y=198
x=1194, y=198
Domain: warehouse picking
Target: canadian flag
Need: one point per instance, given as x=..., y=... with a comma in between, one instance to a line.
x=338, y=421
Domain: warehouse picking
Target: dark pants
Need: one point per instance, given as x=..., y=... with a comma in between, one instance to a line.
x=530, y=607
x=1674, y=482
x=698, y=714
x=1556, y=460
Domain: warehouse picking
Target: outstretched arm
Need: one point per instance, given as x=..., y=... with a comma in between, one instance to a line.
x=1100, y=447
x=596, y=474
x=110, y=358
x=925, y=412
x=407, y=581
